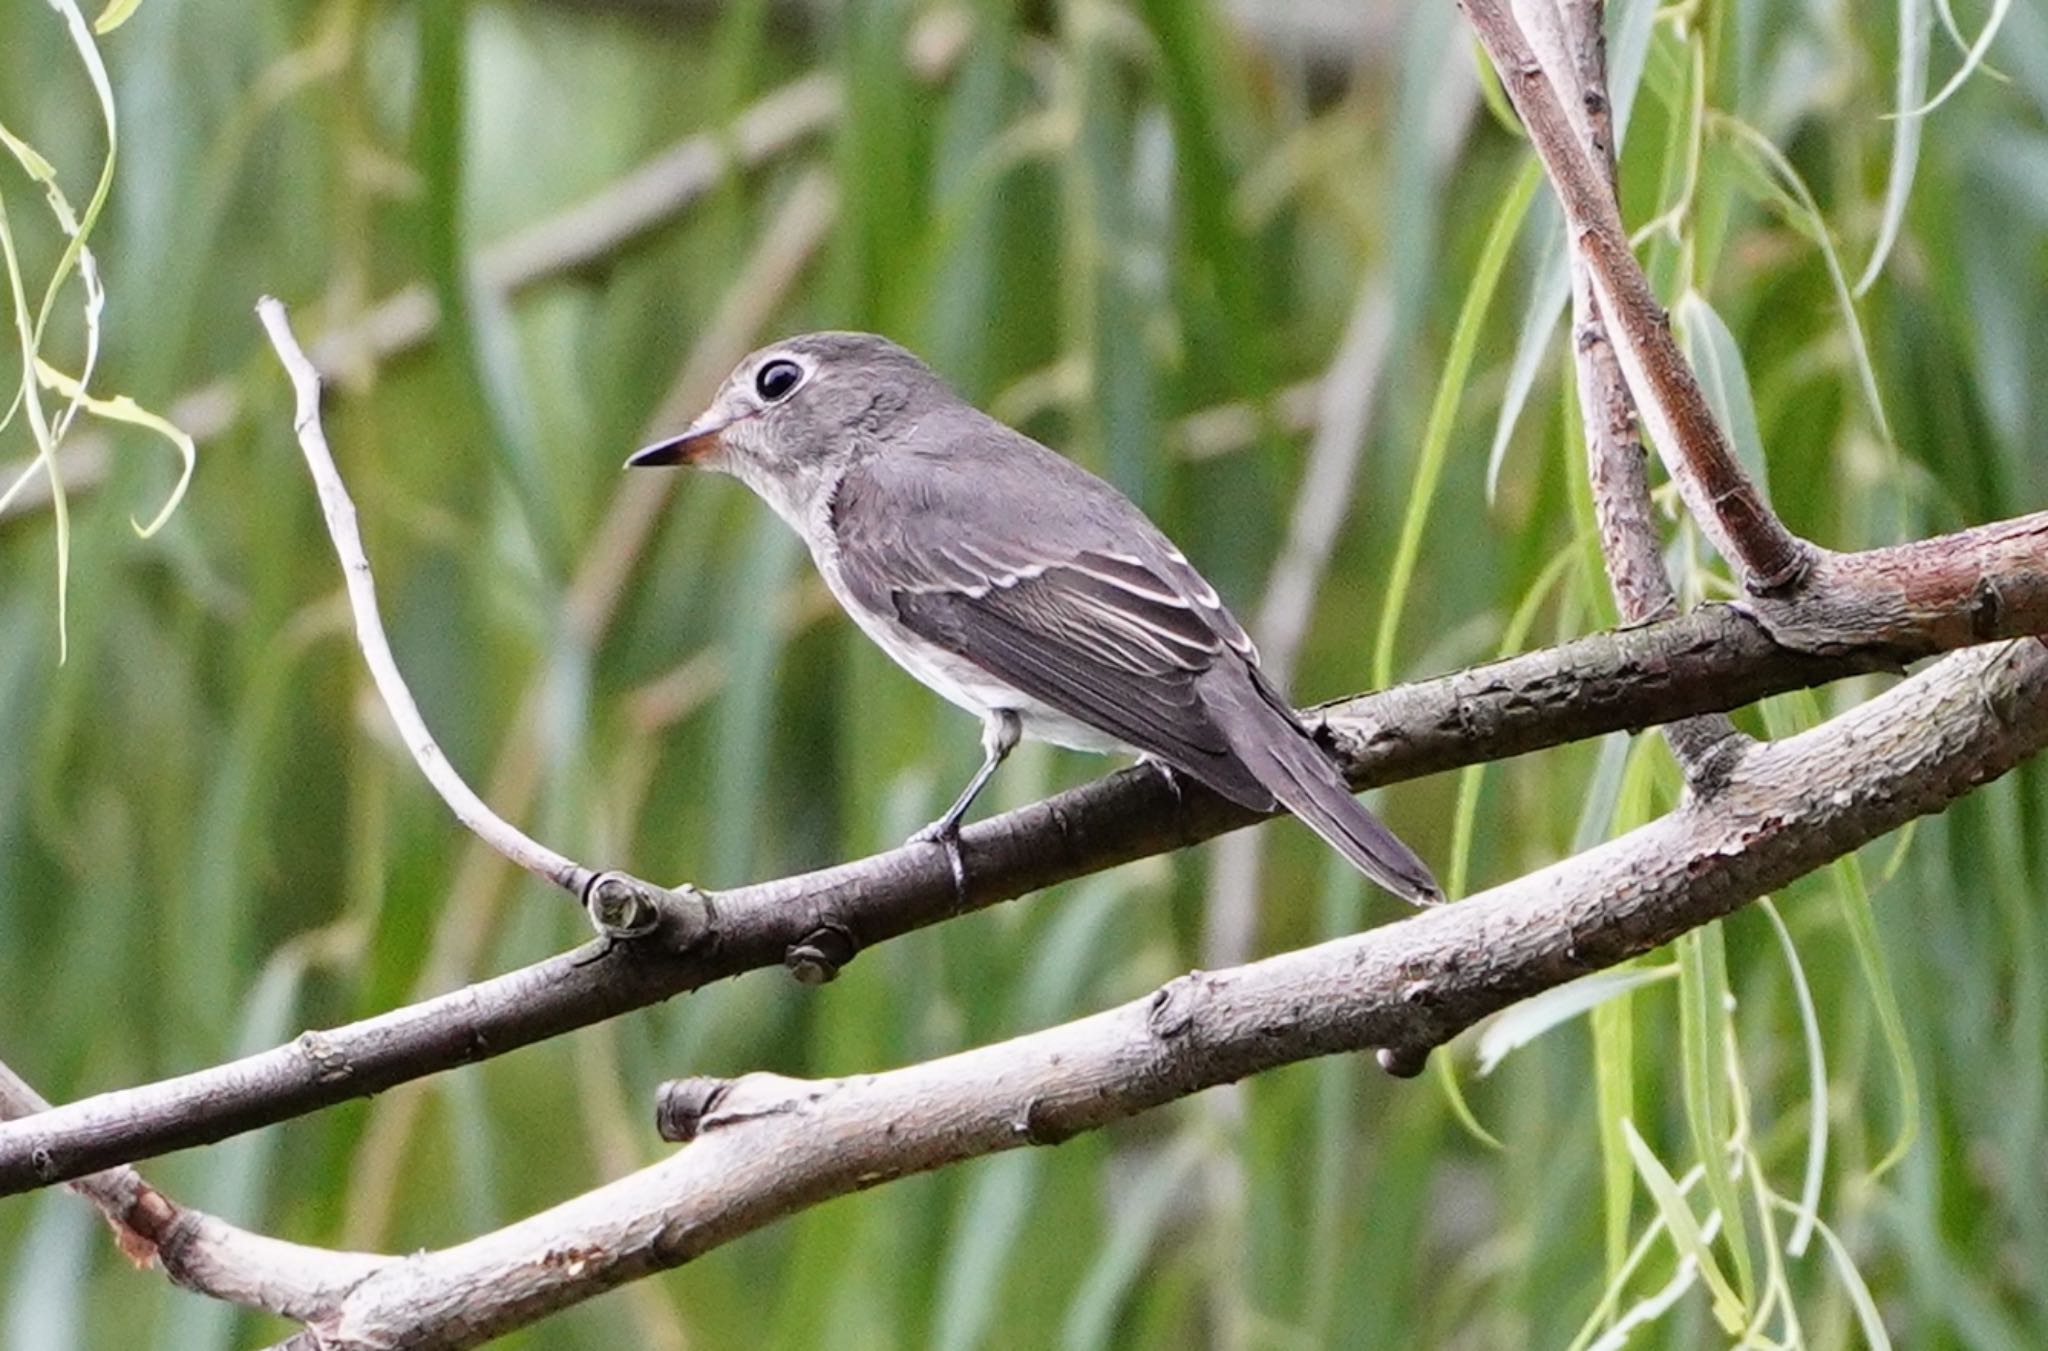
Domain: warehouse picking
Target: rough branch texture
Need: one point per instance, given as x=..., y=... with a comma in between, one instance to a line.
x=195, y=1249
x=763, y=1146
x=1714, y=658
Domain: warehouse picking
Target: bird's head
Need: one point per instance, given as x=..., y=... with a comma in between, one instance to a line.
x=793, y=412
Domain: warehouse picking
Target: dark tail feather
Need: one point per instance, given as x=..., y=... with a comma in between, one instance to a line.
x=1297, y=771
x=1308, y=784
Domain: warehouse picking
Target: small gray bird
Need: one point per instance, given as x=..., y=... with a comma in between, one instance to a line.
x=1017, y=585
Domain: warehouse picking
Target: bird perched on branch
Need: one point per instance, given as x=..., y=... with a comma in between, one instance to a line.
x=1017, y=585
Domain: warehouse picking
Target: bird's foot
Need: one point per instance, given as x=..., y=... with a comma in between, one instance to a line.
x=1171, y=778
x=945, y=832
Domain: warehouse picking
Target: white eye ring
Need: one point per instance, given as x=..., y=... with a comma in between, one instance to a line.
x=777, y=379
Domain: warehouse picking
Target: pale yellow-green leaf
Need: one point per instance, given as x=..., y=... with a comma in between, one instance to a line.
x=122, y=408
x=1684, y=1229
x=30, y=159
x=114, y=15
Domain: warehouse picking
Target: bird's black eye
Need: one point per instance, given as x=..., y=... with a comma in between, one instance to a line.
x=775, y=380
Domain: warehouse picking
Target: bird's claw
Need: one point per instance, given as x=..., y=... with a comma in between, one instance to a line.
x=1171, y=778
x=946, y=834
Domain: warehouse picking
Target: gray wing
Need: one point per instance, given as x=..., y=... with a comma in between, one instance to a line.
x=1022, y=563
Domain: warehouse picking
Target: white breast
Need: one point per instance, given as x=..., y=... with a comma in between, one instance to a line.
x=807, y=504
x=952, y=677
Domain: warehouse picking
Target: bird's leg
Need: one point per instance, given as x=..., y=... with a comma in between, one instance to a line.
x=1000, y=730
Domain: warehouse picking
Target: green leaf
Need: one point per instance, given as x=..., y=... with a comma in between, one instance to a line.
x=1717, y=361
x=1788, y=191
x=1516, y=1027
x=1703, y=1000
x=1867, y=1316
x=1684, y=1229
x=1971, y=61
x=114, y=15
x=1914, y=46
x=1151, y=1193
x=1808, y=1209
x=123, y=409
x=1443, y=413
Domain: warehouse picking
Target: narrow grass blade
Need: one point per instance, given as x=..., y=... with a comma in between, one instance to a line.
x=1134, y=1230
x=1808, y=1209
x=1971, y=60
x=1548, y=292
x=1786, y=717
x=1783, y=186
x=1703, y=1000
x=124, y=409
x=998, y=1199
x=1716, y=359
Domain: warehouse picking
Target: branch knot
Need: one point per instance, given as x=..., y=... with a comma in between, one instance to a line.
x=1172, y=1010
x=681, y=1106
x=815, y=959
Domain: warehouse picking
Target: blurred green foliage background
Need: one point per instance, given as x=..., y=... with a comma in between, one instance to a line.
x=1142, y=231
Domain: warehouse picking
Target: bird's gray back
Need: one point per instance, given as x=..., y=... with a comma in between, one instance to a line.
x=997, y=551
x=967, y=500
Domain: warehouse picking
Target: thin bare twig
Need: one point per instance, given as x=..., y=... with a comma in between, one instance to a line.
x=340, y=512
x=622, y=906
x=789, y=242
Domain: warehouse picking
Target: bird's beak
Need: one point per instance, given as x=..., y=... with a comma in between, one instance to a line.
x=699, y=439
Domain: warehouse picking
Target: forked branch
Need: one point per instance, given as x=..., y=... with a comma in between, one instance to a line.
x=1568, y=39
x=762, y=1147
x=1713, y=658
x=195, y=1249
x=1767, y=556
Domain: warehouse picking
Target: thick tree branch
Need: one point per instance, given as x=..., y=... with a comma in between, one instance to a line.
x=763, y=1146
x=201, y=1252
x=1573, y=50
x=1890, y=606
x=1902, y=597
x=1719, y=495
x=1714, y=658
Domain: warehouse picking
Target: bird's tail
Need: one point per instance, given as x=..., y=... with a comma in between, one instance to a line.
x=1285, y=758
